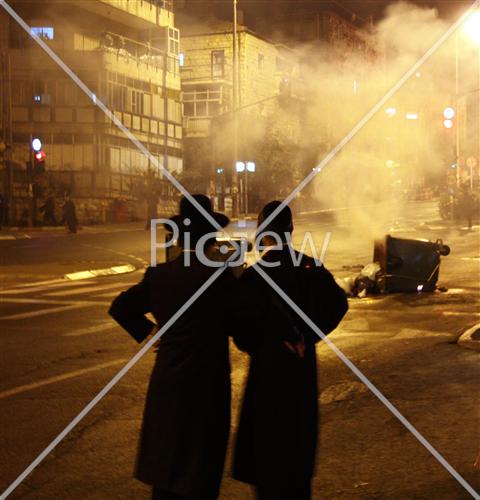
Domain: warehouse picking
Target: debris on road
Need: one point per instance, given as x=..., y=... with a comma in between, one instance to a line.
x=471, y=338
x=399, y=265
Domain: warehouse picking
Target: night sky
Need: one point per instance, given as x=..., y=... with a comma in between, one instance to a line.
x=362, y=9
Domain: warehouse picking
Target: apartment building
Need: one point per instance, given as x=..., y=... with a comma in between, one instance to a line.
x=127, y=53
x=267, y=72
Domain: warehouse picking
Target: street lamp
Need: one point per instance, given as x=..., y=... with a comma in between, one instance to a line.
x=245, y=167
x=472, y=26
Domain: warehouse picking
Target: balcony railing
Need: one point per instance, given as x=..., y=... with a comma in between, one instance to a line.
x=196, y=126
x=162, y=4
x=122, y=46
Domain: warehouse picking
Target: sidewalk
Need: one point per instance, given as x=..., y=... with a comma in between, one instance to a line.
x=97, y=228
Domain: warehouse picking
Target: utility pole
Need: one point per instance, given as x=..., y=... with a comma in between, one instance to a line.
x=457, y=101
x=7, y=128
x=235, y=90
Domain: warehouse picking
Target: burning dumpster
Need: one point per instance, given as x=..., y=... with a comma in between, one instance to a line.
x=408, y=265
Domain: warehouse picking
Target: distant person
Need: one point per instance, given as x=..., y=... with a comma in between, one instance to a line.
x=70, y=215
x=48, y=210
x=186, y=419
x=277, y=433
x=466, y=205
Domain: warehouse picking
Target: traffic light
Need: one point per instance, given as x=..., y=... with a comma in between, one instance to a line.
x=39, y=162
x=39, y=156
x=448, y=118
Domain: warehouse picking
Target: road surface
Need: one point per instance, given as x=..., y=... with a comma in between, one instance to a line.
x=59, y=348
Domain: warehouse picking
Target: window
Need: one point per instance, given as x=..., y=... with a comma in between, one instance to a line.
x=203, y=101
x=218, y=63
x=157, y=106
x=147, y=104
x=119, y=97
x=261, y=62
x=115, y=159
x=174, y=111
x=181, y=59
x=137, y=102
x=44, y=32
x=173, y=41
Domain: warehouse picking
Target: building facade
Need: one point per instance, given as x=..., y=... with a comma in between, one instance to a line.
x=267, y=72
x=127, y=55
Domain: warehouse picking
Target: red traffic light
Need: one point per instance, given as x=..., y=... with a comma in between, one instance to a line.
x=40, y=156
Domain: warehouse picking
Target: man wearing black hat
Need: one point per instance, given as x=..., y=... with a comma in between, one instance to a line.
x=187, y=412
x=277, y=433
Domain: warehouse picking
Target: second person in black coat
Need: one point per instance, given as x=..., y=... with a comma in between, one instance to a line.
x=277, y=433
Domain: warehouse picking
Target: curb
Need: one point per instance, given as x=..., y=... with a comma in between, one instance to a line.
x=471, y=338
x=94, y=273
x=36, y=228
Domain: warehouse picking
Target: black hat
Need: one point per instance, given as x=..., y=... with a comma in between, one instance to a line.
x=192, y=220
x=281, y=223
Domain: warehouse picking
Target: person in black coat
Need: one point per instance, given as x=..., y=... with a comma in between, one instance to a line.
x=186, y=421
x=277, y=433
x=70, y=215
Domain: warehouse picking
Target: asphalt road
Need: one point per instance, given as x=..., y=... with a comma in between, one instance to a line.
x=59, y=348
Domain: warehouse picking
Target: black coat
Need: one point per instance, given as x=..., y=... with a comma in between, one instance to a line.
x=277, y=433
x=186, y=420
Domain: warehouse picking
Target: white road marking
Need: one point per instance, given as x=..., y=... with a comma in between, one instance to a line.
x=43, y=312
x=41, y=288
x=66, y=293
x=459, y=313
x=7, y=237
x=58, y=378
x=93, y=273
x=102, y=327
x=25, y=300
x=38, y=283
x=108, y=295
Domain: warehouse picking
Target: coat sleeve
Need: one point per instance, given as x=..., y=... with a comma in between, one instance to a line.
x=130, y=307
x=331, y=301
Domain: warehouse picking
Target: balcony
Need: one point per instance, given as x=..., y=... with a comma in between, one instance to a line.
x=196, y=127
x=139, y=14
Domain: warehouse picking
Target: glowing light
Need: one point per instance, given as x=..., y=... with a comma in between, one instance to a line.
x=391, y=112
x=251, y=166
x=36, y=144
x=219, y=170
x=419, y=288
x=240, y=166
x=411, y=116
x=448, y=123
x=40, y=156
x=448, y=113
x=472, y=26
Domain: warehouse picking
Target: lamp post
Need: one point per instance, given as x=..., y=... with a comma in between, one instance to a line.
x=246, y=167
x=471, y=28
x=235, y=199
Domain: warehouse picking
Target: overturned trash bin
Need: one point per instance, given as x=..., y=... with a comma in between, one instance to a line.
x=408, y=265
